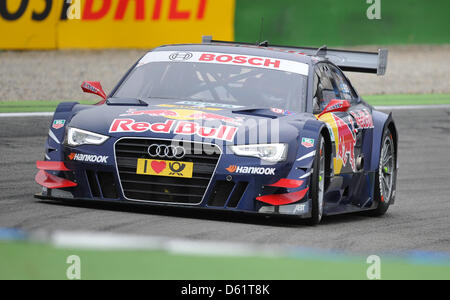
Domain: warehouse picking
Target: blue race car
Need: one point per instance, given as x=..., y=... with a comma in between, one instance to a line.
x=271, y=130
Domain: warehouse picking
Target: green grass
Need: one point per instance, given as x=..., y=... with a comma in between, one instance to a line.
x=382, y=100
x=33, y=106
x=38, y=261
x=408, y=99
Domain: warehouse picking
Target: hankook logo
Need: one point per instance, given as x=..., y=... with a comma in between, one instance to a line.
x=251, y=170
x=88, y=158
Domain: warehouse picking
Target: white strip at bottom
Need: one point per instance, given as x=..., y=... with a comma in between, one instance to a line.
x=114, y=241
x=31, y=114
x=111, y=241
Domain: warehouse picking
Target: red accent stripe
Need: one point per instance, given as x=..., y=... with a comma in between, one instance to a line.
x=283, y=199
x=52, y=182
x=288, y=183
x=51, y=166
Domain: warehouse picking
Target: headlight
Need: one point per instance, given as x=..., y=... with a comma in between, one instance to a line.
x=78, y=137
x=268, y=152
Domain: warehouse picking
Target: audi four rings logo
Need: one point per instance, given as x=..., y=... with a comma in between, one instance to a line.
x=166, y=151
x=181, y=56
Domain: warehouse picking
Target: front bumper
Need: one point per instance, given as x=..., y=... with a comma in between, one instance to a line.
x=227, y=189
x=296, y=211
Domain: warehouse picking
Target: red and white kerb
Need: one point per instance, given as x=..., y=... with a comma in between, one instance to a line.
x=227, y=59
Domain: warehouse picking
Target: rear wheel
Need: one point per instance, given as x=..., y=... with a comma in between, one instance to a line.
x=386, y=176
x=318, y=184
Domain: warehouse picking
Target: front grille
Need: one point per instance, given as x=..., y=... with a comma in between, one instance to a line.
x=160, y=188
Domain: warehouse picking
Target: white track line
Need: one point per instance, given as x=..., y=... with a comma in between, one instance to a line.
x=180, y=246
x=31, y=114
x=112, y=241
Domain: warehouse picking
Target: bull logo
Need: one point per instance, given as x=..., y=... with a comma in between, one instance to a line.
x=346, y=142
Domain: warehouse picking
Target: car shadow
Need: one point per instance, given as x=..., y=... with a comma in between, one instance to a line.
x=208, y=214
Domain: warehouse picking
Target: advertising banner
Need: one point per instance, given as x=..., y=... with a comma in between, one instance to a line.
x=65, y=24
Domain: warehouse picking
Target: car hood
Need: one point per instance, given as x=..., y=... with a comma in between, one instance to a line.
x=204, y=121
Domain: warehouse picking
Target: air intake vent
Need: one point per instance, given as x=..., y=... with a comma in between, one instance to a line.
x=239, y=190
x=102, y=184
x=220, y=193
x=93, y=184
x=107, y=185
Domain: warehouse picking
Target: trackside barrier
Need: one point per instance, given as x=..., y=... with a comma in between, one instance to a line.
x=62, y=24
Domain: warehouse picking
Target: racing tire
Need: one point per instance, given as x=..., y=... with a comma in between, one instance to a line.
x=386, y=176
x=318, y=184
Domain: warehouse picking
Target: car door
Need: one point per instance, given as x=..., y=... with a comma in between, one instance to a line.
x=361, y=115
x=360, y=121
x=341, y=125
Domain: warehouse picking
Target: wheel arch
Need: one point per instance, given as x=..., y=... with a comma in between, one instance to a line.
x=328, y=154
x=382, y=206
x=381, y=122
x=393, y=129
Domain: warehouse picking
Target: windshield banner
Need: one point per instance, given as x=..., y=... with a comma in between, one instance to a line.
x=226, y=59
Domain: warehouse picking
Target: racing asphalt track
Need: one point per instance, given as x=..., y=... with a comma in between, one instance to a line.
x=420, y=219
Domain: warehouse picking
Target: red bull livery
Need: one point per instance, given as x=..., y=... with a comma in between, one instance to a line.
x=266, y=130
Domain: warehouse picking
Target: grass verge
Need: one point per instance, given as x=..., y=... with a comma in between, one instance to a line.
x=34, y=106
x=22, y=260
x=408, y=99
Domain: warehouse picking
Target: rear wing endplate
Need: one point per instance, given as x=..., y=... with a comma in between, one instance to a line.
x=351, y=61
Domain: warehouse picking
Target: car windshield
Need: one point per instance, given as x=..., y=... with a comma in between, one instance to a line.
x=229, y=84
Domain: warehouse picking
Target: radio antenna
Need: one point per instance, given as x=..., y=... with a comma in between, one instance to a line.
x=261, y=30
x=260, y=43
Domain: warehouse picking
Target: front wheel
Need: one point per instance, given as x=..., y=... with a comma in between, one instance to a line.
x=318, y=184
x=386, y=176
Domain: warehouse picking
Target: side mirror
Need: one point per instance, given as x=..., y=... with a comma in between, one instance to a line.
x=336, y=105
x=93, y=87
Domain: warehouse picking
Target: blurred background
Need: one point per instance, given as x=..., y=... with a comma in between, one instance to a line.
x=416, y=32
x=48, y=48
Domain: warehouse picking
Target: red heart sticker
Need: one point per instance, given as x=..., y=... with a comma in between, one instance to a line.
x=158, y=166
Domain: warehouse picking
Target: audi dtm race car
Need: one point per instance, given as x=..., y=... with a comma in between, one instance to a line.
x=271, y=130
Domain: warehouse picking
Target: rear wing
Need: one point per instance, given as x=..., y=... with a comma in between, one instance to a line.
x=351, y=61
